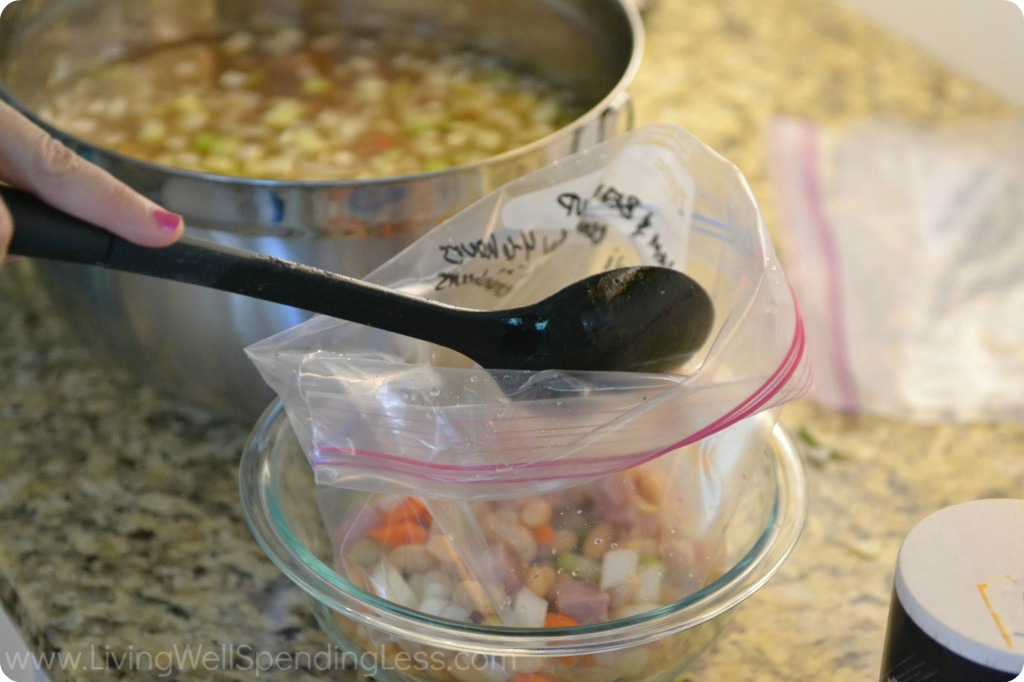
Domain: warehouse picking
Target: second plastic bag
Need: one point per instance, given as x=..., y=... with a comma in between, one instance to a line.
x=383, y=413
x=904, y=245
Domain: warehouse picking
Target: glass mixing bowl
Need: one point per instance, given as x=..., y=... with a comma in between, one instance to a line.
x=391, y=643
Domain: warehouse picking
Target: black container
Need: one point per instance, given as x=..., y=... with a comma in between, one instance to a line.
x=957, y=611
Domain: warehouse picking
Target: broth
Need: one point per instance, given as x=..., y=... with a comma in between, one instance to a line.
x=289, y=106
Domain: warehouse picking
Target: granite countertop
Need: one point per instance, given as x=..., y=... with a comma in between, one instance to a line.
x=120, y=526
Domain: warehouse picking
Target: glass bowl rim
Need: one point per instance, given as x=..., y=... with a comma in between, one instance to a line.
x=773, y=546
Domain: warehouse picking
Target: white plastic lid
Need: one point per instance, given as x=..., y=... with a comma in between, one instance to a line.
x=960, y=577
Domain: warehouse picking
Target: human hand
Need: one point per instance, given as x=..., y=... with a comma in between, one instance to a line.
x=33, y=161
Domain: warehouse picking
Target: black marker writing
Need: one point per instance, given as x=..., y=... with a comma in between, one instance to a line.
x=572, y=203
x=593, y=230
x=484, y=280
x=659, y=252
x=523, y=243
x=456, y=254
x=509, y=247
x=625, y=204
x=643, y=224
x=548, y=245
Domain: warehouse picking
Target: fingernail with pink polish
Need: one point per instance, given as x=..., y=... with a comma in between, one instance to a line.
x=166, y=221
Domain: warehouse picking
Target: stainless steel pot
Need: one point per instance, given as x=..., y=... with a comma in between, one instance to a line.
x=188, y=341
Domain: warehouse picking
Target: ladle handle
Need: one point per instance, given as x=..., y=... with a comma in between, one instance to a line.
x=42, y=231
x=52, y=234
x=46, y=232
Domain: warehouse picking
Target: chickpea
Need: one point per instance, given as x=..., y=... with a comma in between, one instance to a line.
x=413, y=558
x=520, y=540
x=441, y=548
x=506, y=515
x=650, y=486
x=540, y=579
x=598, y=540
x=565, y=541
x=470, y=594
x=536, y=512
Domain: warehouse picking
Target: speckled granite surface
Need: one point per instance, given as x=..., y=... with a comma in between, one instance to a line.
x=120, y=527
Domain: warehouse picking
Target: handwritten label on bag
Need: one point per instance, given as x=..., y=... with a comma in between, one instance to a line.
x=512, y=247
x=629, y=207
x=634, y=210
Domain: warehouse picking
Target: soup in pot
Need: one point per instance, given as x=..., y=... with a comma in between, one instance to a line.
x=291, y=106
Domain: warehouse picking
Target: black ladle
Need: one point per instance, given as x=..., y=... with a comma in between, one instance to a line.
x=644, y=319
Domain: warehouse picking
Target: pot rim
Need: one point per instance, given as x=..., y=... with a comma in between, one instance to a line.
x=777, y=540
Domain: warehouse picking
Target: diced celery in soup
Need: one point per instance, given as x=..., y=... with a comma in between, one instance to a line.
x=288, y=106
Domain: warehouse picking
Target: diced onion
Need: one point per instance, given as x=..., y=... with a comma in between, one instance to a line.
x=648, y=583
x=528, y=609
x=618, y=567
x=456, y=612
x=388, y=582
x=433, y=606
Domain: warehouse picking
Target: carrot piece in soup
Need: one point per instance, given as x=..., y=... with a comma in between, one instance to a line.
x=545, y=535
x=559, y=620
x=401, y=533
x=409, y=509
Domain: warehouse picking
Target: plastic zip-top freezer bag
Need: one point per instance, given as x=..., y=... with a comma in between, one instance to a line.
x=552, y=498
x=384, y=413
x=904, y=246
